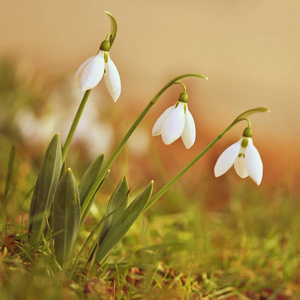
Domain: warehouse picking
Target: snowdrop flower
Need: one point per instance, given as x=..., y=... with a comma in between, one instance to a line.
x=245, y=158
x=92, y=70
x=176, y=122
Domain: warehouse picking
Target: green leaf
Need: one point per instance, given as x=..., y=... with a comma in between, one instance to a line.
x=115, y=208
x=123, y=223
x=88, y=179
x=66, y=216
x=44, y=190
x=87, y=241
x=118, y=203
x=85, y=209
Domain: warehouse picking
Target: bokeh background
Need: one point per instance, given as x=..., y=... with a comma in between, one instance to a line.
x=226, y=233
x=248, y=49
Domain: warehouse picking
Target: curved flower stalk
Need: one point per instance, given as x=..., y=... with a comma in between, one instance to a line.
x=176, y=122
x=169, y=184
x=132, y=129
x=245, y=158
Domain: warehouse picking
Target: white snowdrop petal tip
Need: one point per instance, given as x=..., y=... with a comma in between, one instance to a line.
x=226, y=159
x=189, y=132
x=112, y=80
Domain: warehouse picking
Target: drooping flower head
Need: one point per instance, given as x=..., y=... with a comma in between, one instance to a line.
x=245, y=158
x=90, y=73
x=176, y=122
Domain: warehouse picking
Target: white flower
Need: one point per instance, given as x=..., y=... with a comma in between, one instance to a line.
x=91, y=72
x=176, y=122
x=245, y=158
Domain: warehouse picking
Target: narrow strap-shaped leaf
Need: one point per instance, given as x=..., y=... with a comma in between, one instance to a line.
x=115, y=208
x=122, y=225
x=118, y=203
x=85, y=212
x=44, y=190
x=89, y=178
x=66, y=216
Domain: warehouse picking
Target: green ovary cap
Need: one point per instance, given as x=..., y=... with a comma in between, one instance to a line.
x=247, y=132
x=105, y=45
x=244, y=143
x=183, y=97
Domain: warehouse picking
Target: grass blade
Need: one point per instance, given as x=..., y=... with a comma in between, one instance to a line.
x=9, y=175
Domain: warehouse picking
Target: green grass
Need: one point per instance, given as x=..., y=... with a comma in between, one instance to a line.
x=247, y=250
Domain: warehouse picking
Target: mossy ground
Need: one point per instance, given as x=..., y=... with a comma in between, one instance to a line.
x=249, y=250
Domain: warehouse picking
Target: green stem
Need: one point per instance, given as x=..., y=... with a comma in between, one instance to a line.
x=74, y=125
x=178, y=82
x=129, y=133
x=9, y=174
x=249, y=123
x=91, y=235
x=166, y=187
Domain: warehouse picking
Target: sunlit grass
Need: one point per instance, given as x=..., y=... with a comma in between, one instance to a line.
x=250, y=249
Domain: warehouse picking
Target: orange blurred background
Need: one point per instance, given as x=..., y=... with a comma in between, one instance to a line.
x=249, y=50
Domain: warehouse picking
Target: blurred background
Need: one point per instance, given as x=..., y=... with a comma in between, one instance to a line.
x=220, y=228
x=248, y=49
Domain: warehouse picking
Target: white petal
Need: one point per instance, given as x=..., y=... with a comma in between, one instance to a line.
x=173, y=126
x=253, y=163
x=189, y=131
x=156, y=130
x=240, y=167
x=112, y=79
x=93, y=72
x=77, y=78
x=227, y=158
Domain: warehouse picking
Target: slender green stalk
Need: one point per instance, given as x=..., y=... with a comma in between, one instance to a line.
x=9, y=174
x=165, y=188
x=74, y=125
x=129, y=133
x=178, y=82
x=89, y=238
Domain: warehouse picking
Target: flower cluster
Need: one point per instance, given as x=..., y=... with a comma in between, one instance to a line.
x=176, y=121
